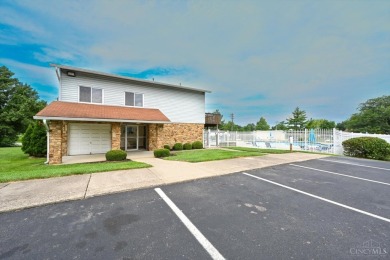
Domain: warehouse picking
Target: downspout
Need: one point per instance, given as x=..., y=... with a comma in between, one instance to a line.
x=45, y=123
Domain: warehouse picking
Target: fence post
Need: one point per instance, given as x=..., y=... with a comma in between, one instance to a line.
x=208, y=138
x=305, y=139
x=334, y=140
x=217, y=138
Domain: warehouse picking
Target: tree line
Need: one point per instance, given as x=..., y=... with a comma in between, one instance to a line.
x=373, y=117
x=19, y=102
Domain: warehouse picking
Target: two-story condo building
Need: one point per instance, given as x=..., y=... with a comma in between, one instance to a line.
x=97, y=112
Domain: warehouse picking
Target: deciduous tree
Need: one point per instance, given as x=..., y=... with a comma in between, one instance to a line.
x=373, y=117
x=262, y=124
x=18, y=104
x=320, y=124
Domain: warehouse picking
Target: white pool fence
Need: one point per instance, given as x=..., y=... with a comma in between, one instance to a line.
x=315, y=140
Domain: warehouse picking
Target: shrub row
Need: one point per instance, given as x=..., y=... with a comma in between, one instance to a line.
x=367, y=147
x=186, y=146
x=177, y=147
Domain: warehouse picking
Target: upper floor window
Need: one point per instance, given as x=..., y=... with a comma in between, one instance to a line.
x=134, y=99
x=91, y=95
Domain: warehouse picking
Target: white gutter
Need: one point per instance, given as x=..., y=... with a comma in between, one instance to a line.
x=100, y=120
x=47, y=139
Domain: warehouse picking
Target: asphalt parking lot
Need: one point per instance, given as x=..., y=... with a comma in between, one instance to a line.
x=328, y=208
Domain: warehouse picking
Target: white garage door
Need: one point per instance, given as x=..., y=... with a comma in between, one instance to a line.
x=89, y=138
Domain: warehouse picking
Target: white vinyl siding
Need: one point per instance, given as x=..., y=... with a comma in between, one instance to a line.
x=89, y=138
x=179, y=105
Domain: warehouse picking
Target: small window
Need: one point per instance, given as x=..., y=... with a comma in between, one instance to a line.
x=134, y=99
x=91, y=95
x=139, y=100
x=85, y=94
x=129, y=99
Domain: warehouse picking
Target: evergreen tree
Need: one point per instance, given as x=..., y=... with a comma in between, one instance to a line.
x=34, y=141
x=26, y=139
x=298, y=119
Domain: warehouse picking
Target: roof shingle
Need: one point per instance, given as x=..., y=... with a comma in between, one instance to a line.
x=71, y=110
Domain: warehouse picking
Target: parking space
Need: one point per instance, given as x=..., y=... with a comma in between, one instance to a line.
x=305, y=210
x=134, y=225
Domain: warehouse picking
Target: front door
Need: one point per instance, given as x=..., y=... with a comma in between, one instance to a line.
x=133, y=137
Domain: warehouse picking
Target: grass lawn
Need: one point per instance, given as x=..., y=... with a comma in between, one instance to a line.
x=210, y=155
x=15, y=165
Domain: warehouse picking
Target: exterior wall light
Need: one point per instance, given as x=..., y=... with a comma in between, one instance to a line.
x=71, y=73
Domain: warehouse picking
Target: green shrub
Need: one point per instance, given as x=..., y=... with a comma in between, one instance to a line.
x=34, y=141
x=161, y=153
x=177, y=146
x=187, y=146
x=26, y=139
x=367, y=147
x=197, y=145
x=116, y=155
x=167, y=147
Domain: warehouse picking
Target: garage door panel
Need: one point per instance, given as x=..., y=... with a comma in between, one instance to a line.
x=89, y=138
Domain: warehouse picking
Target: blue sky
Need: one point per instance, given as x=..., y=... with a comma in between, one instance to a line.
x=259, y=58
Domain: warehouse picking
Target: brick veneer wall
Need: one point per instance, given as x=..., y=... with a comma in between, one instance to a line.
x=115, y=136
x=55, y=142
x=64, y=138
x=162, y=134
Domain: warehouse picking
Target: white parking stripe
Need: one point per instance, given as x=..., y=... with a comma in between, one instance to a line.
x=335, y=173
x=355, y=164
x=194, y=231
x=320, y=198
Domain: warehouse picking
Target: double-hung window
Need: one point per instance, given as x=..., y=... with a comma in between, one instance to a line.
x=91, y=95
x=134, y=99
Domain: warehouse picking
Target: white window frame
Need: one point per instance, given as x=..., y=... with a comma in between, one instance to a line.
x=135, y=93
x=78, y=98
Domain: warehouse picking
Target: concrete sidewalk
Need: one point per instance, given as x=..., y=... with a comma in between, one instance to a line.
x=25, y=194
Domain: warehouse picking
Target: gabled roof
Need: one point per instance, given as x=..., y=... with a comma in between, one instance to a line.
x=59, y=110
x=155, y=83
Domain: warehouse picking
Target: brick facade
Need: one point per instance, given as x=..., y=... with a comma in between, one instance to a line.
x=162, y=134
x=115, y=136
x=158, y=135
x=55, y=143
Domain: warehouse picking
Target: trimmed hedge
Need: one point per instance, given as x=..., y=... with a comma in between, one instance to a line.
x=116, y=155
x=197, y=145
x=177, y=146
x=187, y=146
x=367, y=147
x=167, y=147
x=161, y=153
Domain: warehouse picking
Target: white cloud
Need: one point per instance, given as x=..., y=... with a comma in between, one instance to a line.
x=36, y=76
